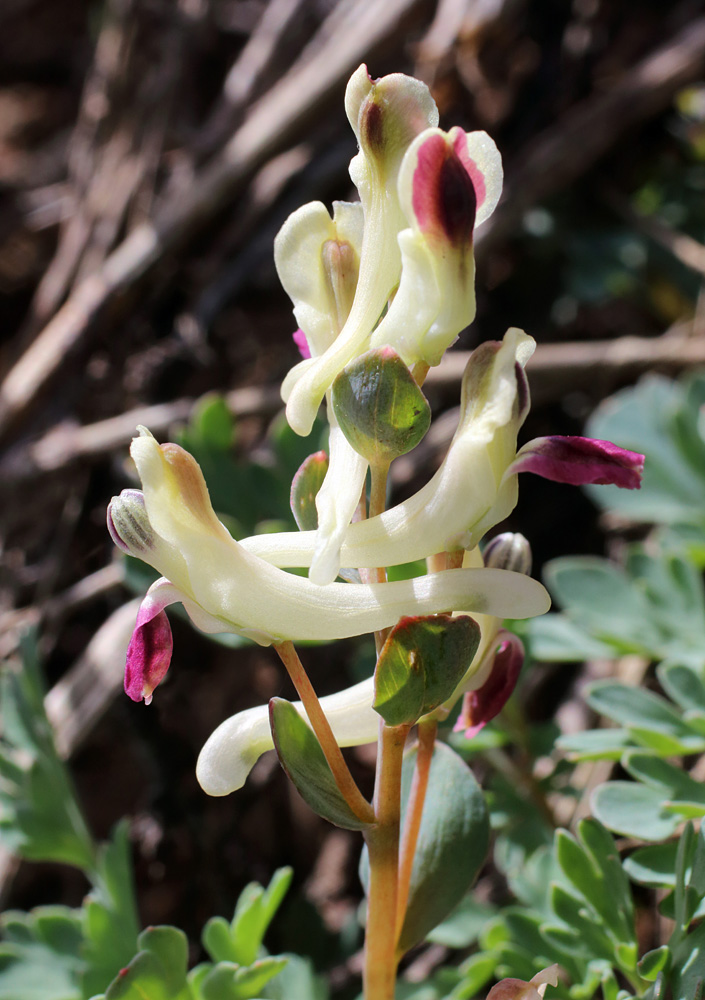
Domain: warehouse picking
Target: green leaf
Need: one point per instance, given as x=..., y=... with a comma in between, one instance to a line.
x=641, y=418
x=653, y=866
x=217, y=941
x=476, y=972
x=689, y=966
x=556, y=638
x=240, y=940
x=697, y=879
x=673, y=781
x=213, y=422
x=301, y=757
x=110, y=913
x=40, y=957
x=157, y=972
x=634, y=810
x=653, y=962
x=593, y=868
x=682, y=684
x=380, y=408
x=641, y=711
x=296, y=980
x=463, y=925
x=170, y=946
x=228, y=981
x=595, y=744
x=452, y=842
x=421, y=664
x=590, y=940
x=591, y=589
x=40, y=818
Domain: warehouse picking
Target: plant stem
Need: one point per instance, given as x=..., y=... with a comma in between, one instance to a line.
x=321, y=727
x=412, y=822
x=378, y=502
x=383, y=846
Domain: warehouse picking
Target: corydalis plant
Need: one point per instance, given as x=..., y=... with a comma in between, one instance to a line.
x=380, y=290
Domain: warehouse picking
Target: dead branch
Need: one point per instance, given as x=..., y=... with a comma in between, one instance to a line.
x=598, y=364
x=275, y=122
x=553, y=370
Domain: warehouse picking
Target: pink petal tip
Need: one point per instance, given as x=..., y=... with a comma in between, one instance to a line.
x=149, y=652
x=482, y=705
x=300, y=340
x=581, y=461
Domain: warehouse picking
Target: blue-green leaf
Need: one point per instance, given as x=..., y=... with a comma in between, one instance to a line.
x=303, y=760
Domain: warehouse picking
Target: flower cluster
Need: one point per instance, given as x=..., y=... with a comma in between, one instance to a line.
x=388, y=280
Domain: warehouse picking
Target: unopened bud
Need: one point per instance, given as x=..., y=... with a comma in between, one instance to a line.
x=509, y=550
x=128, y=523
x=380, y=408
x=304, y=489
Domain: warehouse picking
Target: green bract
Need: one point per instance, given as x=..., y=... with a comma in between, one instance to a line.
x=379, y=406
x=421, y=664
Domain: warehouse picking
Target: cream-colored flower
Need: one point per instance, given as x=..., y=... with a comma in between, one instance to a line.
x=225, y=588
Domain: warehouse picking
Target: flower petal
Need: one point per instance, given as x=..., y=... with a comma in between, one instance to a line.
x=317, y=258
x=232, y=750
x=579, y=461
x=149, y=651
x=336, y=503
x=485, y=702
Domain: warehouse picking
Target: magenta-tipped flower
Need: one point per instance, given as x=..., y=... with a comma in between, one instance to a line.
x=580, y=461
x=482, y=705
x=149, y=652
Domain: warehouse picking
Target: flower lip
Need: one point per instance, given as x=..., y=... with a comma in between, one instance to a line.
x=445, y=198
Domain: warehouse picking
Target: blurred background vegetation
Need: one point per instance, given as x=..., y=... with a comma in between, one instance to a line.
x=149, y=152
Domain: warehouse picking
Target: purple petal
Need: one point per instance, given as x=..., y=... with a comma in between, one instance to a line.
x=579, y=461
x=480, y=706
x=447, y=188
x=301, y=342
x=149, y=652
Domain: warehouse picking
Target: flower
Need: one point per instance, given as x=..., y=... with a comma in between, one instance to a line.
x=386, y=115
x=491, y=688
x=225, y=588
x=476, y=484
x=448, y=184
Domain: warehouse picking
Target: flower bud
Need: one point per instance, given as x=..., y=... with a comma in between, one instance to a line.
x=509, y=550
x=128, y=523
x=380, y=408
x=304, y=490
